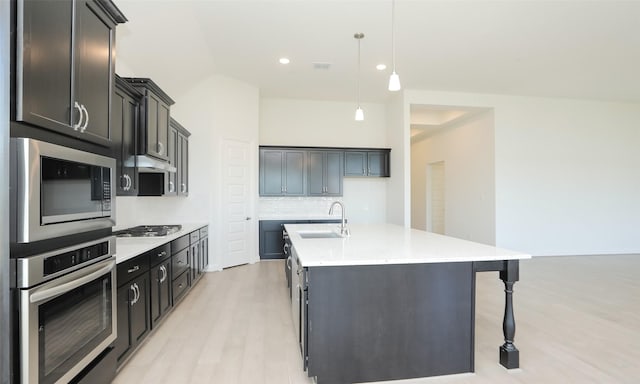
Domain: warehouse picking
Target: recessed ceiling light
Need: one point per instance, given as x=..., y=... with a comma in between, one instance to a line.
x=381, y=67
x=284, y=60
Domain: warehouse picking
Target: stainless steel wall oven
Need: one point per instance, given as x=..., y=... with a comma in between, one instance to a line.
x=67, y=310
x=58, y=191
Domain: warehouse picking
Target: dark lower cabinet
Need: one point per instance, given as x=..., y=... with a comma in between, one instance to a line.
x=161, y=298
x=134, y=320
x=181, y=269
x=149, y=285
x=271, y=240
x=424, y=321
x=194, y=257
x=204, y=248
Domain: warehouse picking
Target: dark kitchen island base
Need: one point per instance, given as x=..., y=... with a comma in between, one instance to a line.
x=387, y=322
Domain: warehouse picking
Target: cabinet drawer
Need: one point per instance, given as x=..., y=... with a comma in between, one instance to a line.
x=179, y=244
x=158, y=255
x=180, y=287
x=194, y=236
x=131, y=269
x=204, y=231
x=180, y=262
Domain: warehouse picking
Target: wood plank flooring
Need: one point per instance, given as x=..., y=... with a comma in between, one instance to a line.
x=577, y=318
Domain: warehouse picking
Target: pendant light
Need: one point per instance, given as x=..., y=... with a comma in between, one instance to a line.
x=359, y=111
x=394, y=79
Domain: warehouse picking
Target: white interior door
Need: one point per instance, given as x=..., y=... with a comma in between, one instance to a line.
x=238, y=224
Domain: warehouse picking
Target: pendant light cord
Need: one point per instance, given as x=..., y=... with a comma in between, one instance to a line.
x=359, y=37
x=393, y=34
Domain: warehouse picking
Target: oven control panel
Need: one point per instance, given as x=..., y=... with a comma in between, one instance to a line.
x=34, y=270
x=58, y=263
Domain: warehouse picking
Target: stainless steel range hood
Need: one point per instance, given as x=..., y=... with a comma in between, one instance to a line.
x=149, y=164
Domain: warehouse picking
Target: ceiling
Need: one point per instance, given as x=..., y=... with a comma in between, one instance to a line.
x=573, y=49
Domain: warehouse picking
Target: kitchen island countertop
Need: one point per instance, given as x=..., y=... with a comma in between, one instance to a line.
x=128, y=247
x=372, y=244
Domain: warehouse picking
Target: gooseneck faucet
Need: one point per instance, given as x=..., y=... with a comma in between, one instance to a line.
x=343, y=228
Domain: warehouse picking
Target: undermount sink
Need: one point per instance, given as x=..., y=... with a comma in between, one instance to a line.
x=318, y=234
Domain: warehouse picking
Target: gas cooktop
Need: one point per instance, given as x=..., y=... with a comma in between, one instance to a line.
x=148, y=231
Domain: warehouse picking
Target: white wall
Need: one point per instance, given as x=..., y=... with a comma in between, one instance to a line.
x=320, y=124
x=398, y=136
x=566, y=172
x=312, y=123
x=217, y=108
x=467, y=151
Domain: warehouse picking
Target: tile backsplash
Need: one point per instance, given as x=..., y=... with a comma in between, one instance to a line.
x=302, y=206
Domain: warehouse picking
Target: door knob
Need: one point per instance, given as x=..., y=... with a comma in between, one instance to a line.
x=247, y=218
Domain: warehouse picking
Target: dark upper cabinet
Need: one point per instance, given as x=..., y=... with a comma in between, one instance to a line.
x=183, y=171
x=367, y=163
x=124, y=117
x=171, y=187
x=178, y=182
x=325, y=169
x=65, y=66
x=282, y=172
x=153, y=135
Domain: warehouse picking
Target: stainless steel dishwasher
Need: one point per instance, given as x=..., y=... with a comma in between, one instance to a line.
x=298, y=301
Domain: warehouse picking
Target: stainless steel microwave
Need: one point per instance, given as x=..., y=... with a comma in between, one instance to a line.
x=58, y=191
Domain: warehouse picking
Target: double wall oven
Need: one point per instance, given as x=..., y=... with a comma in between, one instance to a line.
x=63, y=258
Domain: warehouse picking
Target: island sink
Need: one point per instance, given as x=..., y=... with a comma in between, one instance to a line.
x=318, y=234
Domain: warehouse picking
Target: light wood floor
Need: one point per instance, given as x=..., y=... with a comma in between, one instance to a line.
x=577, y=318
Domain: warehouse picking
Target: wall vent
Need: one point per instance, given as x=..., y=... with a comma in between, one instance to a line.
x=323, y=66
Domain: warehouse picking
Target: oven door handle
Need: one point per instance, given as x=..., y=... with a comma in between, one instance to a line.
x=58, y=290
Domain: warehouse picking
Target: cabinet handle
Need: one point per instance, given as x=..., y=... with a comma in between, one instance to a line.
x=160, y=148
x=132, y=301
x=285, y=249
x=127, y=182
x=162, y=254
x=172, y=187
x=86, y=121
x=135, y=268
x=184, y=187
x=163, y=269
x=136, y=293
x=76, y=105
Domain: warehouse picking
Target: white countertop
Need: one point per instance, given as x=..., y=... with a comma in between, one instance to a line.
x=371, y=244
x=298, y=217
x=128, y=247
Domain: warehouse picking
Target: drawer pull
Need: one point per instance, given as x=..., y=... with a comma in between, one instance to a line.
x=135, y=268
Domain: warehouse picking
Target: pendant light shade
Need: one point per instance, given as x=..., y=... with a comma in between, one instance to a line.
x=359, y=111
x=394, y=79
x=394, y=82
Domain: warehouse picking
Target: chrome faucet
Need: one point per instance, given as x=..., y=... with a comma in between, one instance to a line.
x=343, y=228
